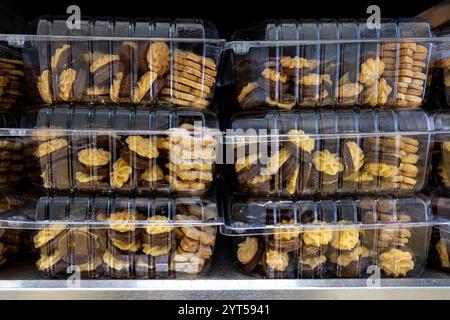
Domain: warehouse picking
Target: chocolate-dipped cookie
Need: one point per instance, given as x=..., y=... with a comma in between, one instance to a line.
x=314, y=267
x=250, y=252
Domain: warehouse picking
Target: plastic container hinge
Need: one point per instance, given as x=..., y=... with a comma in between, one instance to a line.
x=16, y=41
x=241, y=48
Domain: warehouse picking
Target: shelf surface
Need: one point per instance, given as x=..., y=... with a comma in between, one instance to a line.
x=224, y=282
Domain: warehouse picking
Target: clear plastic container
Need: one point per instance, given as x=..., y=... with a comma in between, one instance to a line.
x=107, y=149
x=12, y=79
x=106, y=61
x=120, y=237
x=306, y=63
x=330, y=238
x=329, y=152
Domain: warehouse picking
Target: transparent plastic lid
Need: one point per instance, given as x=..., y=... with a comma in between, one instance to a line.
x=331, y=29
x=330, y=63
x=125, y=27
x=253, y=216
x=109, y=212
x=119, y=119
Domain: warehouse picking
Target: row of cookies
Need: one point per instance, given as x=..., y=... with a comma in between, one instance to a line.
x=405, y=65
x=297, y=81
x=136, y=72
x=307, y=246
x=146, y=241
x=135, y=162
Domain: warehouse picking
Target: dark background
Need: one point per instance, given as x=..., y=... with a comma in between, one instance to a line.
x=228, y=15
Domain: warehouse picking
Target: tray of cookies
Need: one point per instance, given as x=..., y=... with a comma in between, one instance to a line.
x=150, y=237
x=284, y=64
x=330, y=151
x=108, y=149
x=107, y=61
x=346, y=237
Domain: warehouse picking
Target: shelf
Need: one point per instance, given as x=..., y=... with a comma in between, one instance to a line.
x=224, y=282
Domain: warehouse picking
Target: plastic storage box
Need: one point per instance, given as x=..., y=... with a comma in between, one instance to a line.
x=108, y=61
x=338, y=238
x=120, y=237
x=114, y=149
x=283, y=64
x=328, y=152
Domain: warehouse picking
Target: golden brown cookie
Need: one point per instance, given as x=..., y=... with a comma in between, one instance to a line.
x=409, y=98
x=393, y=67
x=195, y=85
x=420, y=56
x=12, y=72
x=207, y=62
x=409, y=170
x=12, y=61
x=407, y=80
x=193, y=165
x=405, y=59
x=209, y=82
x=179, y=95
x=274, y=76
x=419, y=75
x=417, y=63
x=279, y=104
x=406, y=52
x=181, y=185
x=421, y=49
x=180, y=87
x=66, y=81
x=143, y=86
x=198, y=103
x=191, y=175
x=158, y=57
x=399, y=72
x=410, y=158
x=417, y=82
x=194, y=65
x=197, y=73
x=102, y=61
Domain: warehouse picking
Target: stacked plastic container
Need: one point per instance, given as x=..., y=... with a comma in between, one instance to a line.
x=121, y=142
x=326, y=156
x=331, y=149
